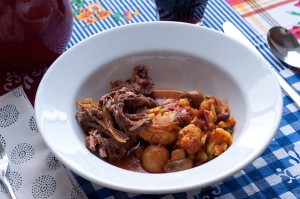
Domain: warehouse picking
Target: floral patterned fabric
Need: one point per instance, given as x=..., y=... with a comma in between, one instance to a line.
x=94, y=11
x=34, y=171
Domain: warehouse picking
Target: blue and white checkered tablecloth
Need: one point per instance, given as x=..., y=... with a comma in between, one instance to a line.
x=276, y=173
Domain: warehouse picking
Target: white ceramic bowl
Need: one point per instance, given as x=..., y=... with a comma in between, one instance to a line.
x=181, y=56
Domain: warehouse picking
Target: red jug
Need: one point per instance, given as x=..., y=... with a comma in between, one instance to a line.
x=33, y=33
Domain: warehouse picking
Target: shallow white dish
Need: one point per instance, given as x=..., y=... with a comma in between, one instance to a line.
x=181, y=56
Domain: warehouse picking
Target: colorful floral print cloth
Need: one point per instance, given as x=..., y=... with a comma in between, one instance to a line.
x=94, y=11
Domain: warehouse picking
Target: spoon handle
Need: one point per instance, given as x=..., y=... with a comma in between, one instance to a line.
x=235, y=33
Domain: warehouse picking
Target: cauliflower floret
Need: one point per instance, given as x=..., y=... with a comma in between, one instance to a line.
x=191, y=139
x=167, y=120
x=219, y=141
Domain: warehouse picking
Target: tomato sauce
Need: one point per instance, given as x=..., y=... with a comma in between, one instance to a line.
x=131, y=163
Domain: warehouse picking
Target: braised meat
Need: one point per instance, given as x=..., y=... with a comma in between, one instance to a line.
x=112, y=126
x=139, y=83
x=138, y=128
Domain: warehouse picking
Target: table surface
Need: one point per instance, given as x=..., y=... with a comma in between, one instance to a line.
x=276, y=173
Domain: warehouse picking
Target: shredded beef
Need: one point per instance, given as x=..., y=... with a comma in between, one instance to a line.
x=112, y=127
x=139, y=83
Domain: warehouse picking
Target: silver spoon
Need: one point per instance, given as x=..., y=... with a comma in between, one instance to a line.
x=284, y=45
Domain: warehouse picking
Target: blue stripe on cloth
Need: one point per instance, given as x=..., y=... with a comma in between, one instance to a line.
x=275, y=174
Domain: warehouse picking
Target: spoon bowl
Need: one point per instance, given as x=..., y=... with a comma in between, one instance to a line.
x=284, y=45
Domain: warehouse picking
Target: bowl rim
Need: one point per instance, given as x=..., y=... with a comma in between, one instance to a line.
x=152, y=177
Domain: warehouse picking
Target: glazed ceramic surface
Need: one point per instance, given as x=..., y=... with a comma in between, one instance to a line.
x=180, y=56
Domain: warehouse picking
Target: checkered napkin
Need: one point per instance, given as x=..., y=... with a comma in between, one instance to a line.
x=34, y=171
